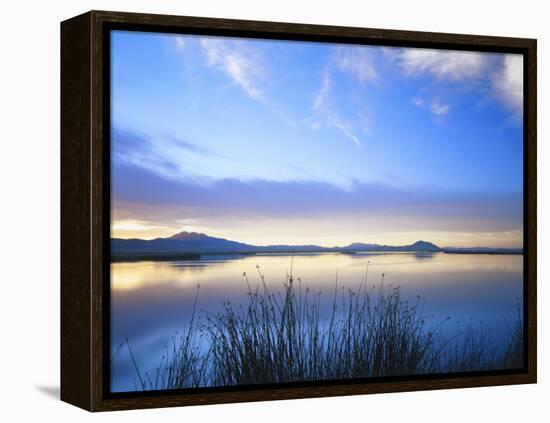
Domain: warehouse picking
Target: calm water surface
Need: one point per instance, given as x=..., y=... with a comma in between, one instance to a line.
x=150, y=301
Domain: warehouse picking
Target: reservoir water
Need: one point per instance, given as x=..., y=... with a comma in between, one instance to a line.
x=151, y=301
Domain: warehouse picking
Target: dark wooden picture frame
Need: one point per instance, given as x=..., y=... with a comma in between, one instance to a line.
x=85, y=206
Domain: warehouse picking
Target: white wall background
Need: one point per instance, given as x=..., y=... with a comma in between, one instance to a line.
x=29, y=210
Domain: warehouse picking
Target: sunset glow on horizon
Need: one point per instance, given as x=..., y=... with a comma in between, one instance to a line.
x=511, y=239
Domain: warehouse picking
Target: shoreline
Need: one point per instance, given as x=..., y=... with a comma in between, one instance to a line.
x=169, y=256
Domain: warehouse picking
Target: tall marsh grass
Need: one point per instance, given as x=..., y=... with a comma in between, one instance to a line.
x=283, y=336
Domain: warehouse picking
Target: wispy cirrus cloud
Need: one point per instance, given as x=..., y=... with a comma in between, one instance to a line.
x=322, y=94
x=179, y=42
x=346, y=127
x=435, y=106
x=326, y=114
x=244, y=67
x=237, y=63
x=356, y=63
x=439, y=109
x=443, y=64
x=508, y=83
x=500, y=75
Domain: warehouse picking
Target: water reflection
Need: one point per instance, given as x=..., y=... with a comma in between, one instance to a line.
x=150, y=301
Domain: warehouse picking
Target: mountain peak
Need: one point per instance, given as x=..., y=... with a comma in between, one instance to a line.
x=425, y=244
x=184, y=235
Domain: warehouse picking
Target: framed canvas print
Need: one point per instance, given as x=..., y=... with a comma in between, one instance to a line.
x=258, y=210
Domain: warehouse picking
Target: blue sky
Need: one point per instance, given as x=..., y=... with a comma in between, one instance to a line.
x=290, y=142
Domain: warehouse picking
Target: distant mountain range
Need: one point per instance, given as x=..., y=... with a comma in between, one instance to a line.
x=198, y=243
x=193, y=245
